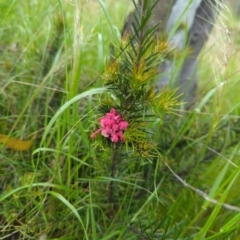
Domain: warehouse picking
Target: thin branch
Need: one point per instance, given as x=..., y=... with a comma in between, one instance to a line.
x=112, y=175
x=201, y=193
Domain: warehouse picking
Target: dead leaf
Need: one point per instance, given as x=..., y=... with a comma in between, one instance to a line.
x=15, y=143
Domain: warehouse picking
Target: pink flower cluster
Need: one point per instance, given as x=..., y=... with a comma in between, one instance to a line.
x=112, y=126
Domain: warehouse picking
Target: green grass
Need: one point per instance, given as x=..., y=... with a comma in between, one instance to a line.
x=52, y=56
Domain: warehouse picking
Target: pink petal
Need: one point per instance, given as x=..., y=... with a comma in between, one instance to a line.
x=113, y=111
x=111, y=123
x=115, y=127
x=103, y=121
x=106, y=132
x=118, y=118
x=109, y=116
x=120, y=135
x=123, y=125
x=114, y=137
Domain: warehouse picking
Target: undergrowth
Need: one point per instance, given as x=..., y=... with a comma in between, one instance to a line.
x=54, y=55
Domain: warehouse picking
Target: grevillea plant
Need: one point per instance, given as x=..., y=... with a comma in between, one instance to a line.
x=132, y=100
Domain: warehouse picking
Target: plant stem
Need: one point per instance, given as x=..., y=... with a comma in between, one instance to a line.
x=112, y=175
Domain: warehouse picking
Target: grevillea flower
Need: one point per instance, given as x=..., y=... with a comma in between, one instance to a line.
x=112, y=126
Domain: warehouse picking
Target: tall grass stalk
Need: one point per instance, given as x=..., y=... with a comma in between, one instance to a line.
x=54, y=59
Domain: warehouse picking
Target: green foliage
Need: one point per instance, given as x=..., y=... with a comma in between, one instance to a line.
x=52, y=52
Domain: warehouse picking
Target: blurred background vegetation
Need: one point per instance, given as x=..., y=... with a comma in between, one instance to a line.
x=53, y=51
